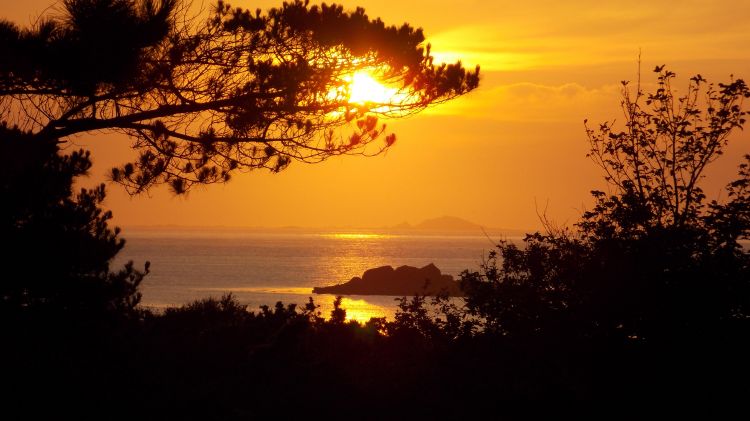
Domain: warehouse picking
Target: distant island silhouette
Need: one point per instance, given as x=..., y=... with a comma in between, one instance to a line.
x=442, y=223
x=404, y=280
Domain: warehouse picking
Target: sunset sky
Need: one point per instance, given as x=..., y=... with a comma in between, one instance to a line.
x=496, y=156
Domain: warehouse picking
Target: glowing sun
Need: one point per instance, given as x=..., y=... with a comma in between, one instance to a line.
x=363, y=88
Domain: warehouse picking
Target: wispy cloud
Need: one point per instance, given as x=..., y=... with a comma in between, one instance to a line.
x=530, y=102
x=594, y=34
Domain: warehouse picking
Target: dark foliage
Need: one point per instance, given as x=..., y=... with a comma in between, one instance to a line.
x=84, y=51
x=57, y=246
x=214, y=359
x=62, y=306
x=653, y=280
x=238, y=91
x=650, y=260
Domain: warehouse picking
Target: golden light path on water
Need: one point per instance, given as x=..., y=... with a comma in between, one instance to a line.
x=356, y=236
x=359, y=308
x=362, y=310
x=263, y=268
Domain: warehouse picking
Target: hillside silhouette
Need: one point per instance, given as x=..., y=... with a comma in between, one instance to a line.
x=447, y=223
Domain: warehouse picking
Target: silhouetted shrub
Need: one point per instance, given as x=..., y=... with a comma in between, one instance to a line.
x=650, y=260
x=57, y=244
x=649, y=294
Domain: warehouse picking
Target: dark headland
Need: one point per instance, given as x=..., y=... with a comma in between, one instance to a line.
x=404, y=280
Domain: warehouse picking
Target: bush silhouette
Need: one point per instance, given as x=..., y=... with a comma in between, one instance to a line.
x=650, y=260
x=58, y=245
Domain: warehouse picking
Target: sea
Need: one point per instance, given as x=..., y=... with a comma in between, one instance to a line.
x=265, y=267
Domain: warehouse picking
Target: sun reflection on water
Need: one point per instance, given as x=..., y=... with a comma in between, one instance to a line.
x=358, y=309
x=362, y=311
x=355, y=236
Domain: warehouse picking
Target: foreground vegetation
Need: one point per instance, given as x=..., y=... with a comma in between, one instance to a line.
x=213, y=359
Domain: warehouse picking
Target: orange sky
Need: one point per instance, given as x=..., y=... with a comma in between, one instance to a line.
x=494, y=156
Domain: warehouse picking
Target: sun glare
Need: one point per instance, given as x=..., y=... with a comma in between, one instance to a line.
x=361, y=310
x=363, y=88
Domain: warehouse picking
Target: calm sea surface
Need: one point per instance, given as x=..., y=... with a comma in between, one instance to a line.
x=263, y=268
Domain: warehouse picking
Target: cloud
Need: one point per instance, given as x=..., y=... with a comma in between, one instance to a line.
x=530, y=102
x=564, y=37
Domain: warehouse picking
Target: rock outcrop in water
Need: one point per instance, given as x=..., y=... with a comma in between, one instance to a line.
x=404, y=280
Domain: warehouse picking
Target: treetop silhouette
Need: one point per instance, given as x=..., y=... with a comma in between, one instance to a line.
x=656, y=162
x=653, y=260
x=239, y=90
x=58, y=245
